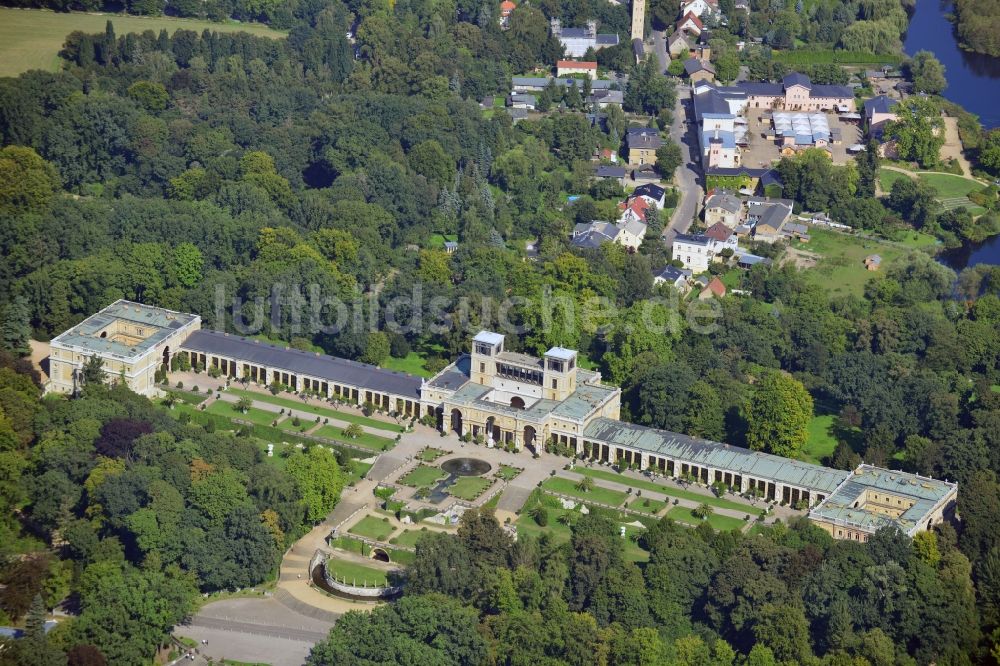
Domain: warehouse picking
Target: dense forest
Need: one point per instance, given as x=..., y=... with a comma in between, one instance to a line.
x=978, y=25
x=171, y=168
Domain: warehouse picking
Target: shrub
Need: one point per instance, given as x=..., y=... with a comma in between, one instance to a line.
x=180, y=385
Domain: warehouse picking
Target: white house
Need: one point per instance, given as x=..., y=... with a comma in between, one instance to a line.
x=694, y=251
x=675, y=277
x=570, y=67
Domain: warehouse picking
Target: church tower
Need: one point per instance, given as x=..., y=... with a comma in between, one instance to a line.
x=638, y=19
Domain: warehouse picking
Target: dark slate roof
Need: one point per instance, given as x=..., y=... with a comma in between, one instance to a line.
x=831, y=91
x=671, y=274
x=737, y=171
x=637, y=48
x=574, y=33
x=710, y=101
x=880, y=104
x=796, y=79
x=761, y=88
x=692, y=239
x=610, y=172
x=607, y=40
x=649, y=190
x=693, y=65
x=643, y=137
x=455, y=375
x=770, y=177
x=320, y=366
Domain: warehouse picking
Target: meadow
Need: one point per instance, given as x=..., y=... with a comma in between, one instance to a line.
x=32, y=38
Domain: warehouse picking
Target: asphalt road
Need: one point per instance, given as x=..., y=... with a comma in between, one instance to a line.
x=688, y=175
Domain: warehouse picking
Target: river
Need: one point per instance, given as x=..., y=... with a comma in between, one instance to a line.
x=973, y=78
x=987, y=252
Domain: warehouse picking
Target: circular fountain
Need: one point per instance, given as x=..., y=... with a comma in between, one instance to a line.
x=466, y=466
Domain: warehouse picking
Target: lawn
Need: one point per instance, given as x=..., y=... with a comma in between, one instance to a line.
x=412, y=364
x=228, y=410
x=646, y=505
x=423, y=475
x=840, y=269
x=598, y=494
x=408, y=538
x=326, y=412
x=436, y=241
x=356, y=574
x=358, y=470
x=671, y=491
x=949, y=186
x=821, y=441
x=508, y=472
x=886, y=177
x=188, y=397
x=469, y=488
x=366, y=440
x=289, y=424
x=373, y=528
x=722, y=523
x=430, y=454
x=32, y=39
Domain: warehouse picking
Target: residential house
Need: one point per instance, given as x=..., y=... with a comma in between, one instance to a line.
x=517, y=115
x=695, y=251
x=522, y=101
x=699, y=70
x=634, y=210
x=654, y=194
x=723, y=237
x=632, y=231
x=797, y=92
x=675, y=277
x=594, y=234
x=873, y=262
x=641, y=144
x=577, y=41
x=570, y=67
x=715, y=289
x=645, y=174
x=767, y=217
x=506, y=9
x=879, y=111
x=690, y=24
x=605, y=98
x=698, y=7
x=747, y=261
x=638, y=50
x=678, y=45
x=616, y=173
x=723, y=207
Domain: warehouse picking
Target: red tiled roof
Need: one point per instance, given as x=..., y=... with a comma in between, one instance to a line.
x=508, y=5
x=716, y=287
x=694, y=19
x=719, y=232
x=639, y=206
x=576, y=64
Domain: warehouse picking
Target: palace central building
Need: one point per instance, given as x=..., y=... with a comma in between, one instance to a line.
x=509, y=398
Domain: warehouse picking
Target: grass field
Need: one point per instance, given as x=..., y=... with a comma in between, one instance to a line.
x=356, y=574
x=646, y=505
x=952, y=191
x=507, y=472
x=469, y=488
x=372, y=527
x=821, y=441
x=227, y=409
x=722, y=523
x=31, y=39
x=430, y=454
x=366, y=440
x=326, y=412
x=598, y=494
x=408, y=538
x=189, y=397
x=841, y=270
x=412, y=364
x=423, y=475
x=680, y=493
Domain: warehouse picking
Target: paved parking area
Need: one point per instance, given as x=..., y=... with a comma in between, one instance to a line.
x=761, y=152
x=255, y=631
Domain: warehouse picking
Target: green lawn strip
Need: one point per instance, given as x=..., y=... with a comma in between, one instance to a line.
x=598, y=494
x=646, y=505
x=508, y=472
x=366, y=440
x=328, y=412
x=950, y=186
x=373, y=528
x=289, y=424
x=358, y=471
x=886, y=177
x=469, y=488
x=32, y=39
x=408, y=538
x=423, y=475
x=671, y=491
x=253, y=415
x=188, y=397
x=722, y=523
x=412, y=364
x=353, y=573
x=430, y=454
x=820, y=442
